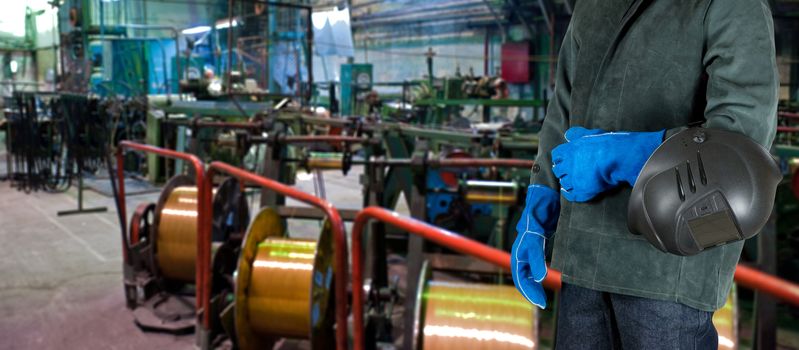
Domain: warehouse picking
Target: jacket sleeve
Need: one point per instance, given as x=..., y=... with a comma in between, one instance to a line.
x=741, y=67
x=556, y=120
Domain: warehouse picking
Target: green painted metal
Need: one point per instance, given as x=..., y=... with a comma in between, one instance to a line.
x=784, y=151
x=224, y=109
x=153, y=137
x=356, y=78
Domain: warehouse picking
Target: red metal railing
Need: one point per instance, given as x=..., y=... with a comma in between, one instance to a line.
x=202, y=206
x=788, y=115
x=775, y=286
x=446, y=238
x=744, y=276
x=339, y=237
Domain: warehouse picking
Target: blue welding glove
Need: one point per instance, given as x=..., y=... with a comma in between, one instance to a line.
x=539, y=220
x=594, y=161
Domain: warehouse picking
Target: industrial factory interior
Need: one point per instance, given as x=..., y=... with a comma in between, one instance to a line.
x=399, y=174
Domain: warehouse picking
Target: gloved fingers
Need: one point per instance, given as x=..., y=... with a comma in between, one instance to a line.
x=577, y=132
x=566, y=183
x=532, y=291
x=560, y=170
x=521, y=270
x=537, y=261
x=560, y=153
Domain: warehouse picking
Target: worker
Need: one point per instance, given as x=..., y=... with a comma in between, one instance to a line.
x=630, y=74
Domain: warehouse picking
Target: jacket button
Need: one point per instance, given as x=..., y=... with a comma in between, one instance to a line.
x=536, y=168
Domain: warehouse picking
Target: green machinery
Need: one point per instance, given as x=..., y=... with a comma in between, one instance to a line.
x=356, y=82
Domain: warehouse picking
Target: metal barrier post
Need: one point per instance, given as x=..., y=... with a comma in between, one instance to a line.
x=339, y=237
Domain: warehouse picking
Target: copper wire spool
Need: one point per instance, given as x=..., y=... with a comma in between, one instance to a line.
x=325, y=161
x=283, y=286
x=176, y=229
x=175, y=224
x=455, y=315
x=726, y=322
x=491, y=192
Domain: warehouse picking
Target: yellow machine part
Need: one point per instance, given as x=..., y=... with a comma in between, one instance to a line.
x=283, y=286
x=176, y=240
x=490, y=197
x=726, y=322
x=476, y=316
x=491, y=192
x=326, y=161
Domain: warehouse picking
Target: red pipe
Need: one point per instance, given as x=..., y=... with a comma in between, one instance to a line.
x=754, y=279
x=482, y=162
x=339, y=237
x=788, y=115
x=446, y=238
x=202, y=230
x=787, y=129
x=744, y=275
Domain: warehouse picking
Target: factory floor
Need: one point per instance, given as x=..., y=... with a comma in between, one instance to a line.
x=61, y=285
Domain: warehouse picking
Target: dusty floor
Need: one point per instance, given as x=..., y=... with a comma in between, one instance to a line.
x=61, y=285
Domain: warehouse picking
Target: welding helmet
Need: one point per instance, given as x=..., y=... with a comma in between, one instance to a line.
x=703, y=188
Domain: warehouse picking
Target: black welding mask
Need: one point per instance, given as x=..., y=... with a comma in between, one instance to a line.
x=703, y=188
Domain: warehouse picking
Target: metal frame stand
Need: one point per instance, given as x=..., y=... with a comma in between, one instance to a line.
x=80, y=209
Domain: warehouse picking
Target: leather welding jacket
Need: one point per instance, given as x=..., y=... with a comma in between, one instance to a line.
x=647, y=65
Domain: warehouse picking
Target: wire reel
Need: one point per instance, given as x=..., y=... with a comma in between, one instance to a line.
x=466, y=315
x=175, y=224
x=328, y=161
x=490, y=192
x=283, y=286
x=164, y=251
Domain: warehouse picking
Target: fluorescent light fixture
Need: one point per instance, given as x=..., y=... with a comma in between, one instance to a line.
x=224, y=24
x=196, y=30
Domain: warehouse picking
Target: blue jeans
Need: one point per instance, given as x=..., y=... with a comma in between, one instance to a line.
x=589, y=319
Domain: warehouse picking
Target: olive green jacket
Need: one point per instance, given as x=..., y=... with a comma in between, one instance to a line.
x=647, y=65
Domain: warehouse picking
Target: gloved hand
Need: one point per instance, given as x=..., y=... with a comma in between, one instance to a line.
x=539, y=219
x=594, y=161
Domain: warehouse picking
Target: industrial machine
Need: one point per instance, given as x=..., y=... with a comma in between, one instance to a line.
x=262, y=284
x=201, y=260
x=160, y=269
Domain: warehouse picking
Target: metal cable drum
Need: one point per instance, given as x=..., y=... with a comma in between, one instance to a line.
x=283, y=286
x=175, y=224
x=491, y=192
x=463, y=315
x=325, y=161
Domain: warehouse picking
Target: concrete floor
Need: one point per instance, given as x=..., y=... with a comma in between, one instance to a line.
x=61, y=277
x=61, y=285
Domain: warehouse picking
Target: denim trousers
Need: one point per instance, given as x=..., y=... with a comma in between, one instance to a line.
x=589, y=319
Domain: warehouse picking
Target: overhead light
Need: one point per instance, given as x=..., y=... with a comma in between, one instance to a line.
x=224, y=24
x=196, y=30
